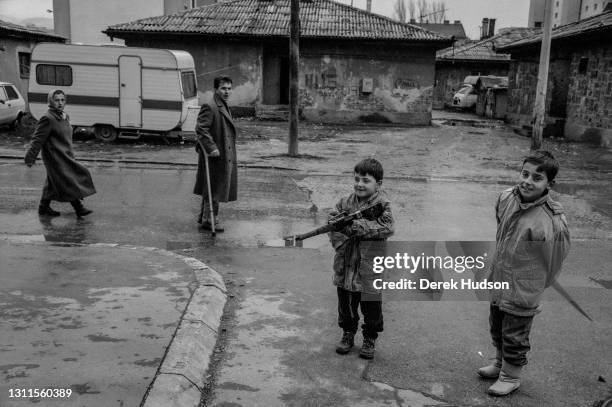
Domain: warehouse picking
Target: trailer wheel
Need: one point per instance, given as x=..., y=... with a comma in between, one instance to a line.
x=105, y=133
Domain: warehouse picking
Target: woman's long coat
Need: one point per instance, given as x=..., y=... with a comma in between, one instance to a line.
x=67, y=180
x=216, y=130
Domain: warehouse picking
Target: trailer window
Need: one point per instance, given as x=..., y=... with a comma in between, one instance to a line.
x=189, y=84
x=58, y=75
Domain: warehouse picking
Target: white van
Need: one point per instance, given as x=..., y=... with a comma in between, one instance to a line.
x=116, y=90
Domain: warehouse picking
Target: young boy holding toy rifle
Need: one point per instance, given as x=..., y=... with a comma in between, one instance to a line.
x=350, y=273
x=532, y=242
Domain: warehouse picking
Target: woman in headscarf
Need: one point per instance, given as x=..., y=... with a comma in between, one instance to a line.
x=67, y=180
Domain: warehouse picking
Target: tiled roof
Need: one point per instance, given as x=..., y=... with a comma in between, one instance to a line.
x=19, y=30
x=600, y=22
x=455, y=29
x=270, y=18
x=486, y=49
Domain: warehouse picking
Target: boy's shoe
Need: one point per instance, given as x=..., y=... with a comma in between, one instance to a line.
x=508, y=381
x=368, y=348
x=47, y=211
x=492, y=371
x=346, y=343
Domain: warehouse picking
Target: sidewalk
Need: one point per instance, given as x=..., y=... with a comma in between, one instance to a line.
x=108, y=323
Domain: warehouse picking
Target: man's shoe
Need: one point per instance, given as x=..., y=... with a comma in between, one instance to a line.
x=508, y=381
x=368, y=348
x=492, y=371
x=47, y=211
x=346, y=343
x=206, y=225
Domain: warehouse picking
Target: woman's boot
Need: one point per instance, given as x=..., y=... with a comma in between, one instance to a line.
x=79, y=209
x=44, y=208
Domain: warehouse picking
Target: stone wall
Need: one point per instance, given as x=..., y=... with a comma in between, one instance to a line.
x=522, y=85
x=579, y=94
x=589, y=107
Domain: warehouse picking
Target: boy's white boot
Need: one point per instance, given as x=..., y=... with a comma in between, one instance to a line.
x=508, y=381
x=492, y=371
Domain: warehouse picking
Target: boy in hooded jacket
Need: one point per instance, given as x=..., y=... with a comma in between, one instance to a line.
x=352, y=277
x=532, y=241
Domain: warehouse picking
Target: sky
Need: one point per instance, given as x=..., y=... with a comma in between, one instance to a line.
x=509, y=13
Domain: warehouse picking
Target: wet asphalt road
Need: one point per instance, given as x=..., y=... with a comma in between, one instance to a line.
x=281, y=334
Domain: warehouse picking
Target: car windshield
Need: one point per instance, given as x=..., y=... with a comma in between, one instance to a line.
x=464, y=90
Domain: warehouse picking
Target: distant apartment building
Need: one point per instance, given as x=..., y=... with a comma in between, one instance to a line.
x=565, y=11
x=82, y=21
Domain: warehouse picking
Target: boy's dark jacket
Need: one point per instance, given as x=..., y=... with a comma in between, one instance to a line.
x=532, y=242
x=352, y=270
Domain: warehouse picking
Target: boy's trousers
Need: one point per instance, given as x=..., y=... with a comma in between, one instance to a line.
x=510, y=333
x=348, y=315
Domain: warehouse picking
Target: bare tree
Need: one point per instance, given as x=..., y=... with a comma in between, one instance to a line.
x=423, y=7
x=438, y=11
x=412, y=9
x=400, y=10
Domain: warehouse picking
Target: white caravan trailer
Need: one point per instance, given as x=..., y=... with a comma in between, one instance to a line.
x=117, y=90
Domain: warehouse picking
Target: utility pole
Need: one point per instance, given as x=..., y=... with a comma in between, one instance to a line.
x=294, y=56
x=540, y=100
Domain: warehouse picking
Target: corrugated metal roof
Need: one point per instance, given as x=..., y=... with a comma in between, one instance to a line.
x=596, y=23
x=270, y=18
x=19, y=29
x=486, y=49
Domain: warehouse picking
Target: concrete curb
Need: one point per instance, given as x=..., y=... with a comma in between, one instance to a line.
x=179, y=380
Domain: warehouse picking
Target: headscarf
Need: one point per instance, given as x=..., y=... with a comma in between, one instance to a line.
x=61, y=115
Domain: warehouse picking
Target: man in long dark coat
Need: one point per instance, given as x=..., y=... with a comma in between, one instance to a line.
x=67, y=179
x=216, y=134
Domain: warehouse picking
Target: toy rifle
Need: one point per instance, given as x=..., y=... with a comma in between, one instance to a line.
x=336, y=223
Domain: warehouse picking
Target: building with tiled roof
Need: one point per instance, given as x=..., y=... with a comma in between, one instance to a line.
x=482, y=57
x=270, y=18
x=579, y=93
x=355, y=65
x=455, y=29
x=16, y=44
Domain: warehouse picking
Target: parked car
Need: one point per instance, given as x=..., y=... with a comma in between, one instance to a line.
x=466, y=97
x=12, y=105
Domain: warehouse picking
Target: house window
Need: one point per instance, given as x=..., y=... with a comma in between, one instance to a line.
x=57, y=75
x=595, y=6
x=537, y=24
x=190, y=89
x=24, y=64
x=586, y=8
x=557, y=5
x=582, y=65
x=556, y=15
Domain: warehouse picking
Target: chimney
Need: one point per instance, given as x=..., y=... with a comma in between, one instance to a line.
x=412, y=21
x=457, y=22
x=484, y=29
x=446, y=21
x=491, y=27
x=369, y=6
